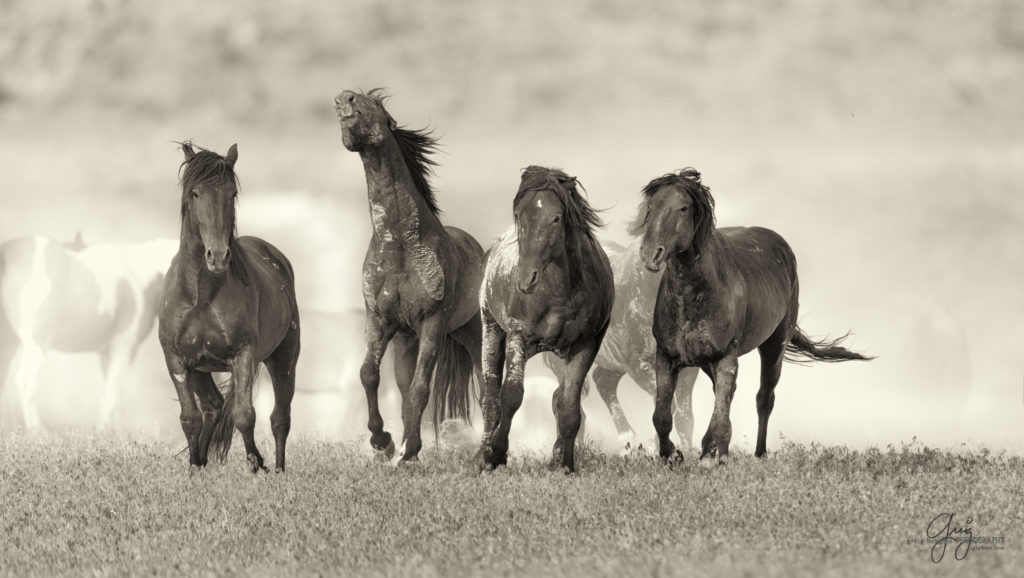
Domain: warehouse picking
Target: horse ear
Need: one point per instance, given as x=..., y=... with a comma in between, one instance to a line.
x=232, y=155
x=186, y=148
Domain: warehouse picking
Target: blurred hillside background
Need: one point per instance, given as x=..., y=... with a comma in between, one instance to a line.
x=883, y=139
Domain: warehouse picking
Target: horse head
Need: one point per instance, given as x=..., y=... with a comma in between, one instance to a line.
x=677, y=215
x=209, y=190
x=363, y=119
x=549, y=213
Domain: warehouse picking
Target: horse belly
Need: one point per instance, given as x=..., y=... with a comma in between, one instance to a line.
x=84, y=333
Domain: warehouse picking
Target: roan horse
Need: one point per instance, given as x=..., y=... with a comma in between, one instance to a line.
x=548, y=287
x=75, y=298
x=723, y=293
x=629, y=346
x=228, y=304
x=420, y=278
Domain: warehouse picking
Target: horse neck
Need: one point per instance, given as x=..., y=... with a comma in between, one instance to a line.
x=565, y=272
x=704, y=270
x=398, y=212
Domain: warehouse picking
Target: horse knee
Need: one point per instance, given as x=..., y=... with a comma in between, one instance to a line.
x=244, y=416
x=369, y=375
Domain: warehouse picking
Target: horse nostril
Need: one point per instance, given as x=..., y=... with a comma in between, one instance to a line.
x=209, y=255
x=227, y=254
x=533, y=278
x=658, y=252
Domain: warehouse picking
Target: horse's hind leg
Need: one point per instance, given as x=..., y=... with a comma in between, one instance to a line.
x=607, y=383
x=377, y=338
x=281, y=367
x=772, y=353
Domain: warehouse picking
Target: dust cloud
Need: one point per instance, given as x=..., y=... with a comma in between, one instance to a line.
x=883, y=142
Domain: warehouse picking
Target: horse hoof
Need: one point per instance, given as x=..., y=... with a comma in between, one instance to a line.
x=385, y=453
x=256, y=463
x=676, y=459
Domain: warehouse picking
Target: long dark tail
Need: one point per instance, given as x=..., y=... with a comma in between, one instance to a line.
x=803, y=349
x=456, y=383
x=224, y=428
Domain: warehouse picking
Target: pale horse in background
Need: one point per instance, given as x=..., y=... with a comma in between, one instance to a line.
x=73, y=298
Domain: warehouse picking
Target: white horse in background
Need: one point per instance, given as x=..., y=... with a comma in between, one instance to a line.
x=71, y=298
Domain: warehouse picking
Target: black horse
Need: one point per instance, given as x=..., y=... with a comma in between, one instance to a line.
x=420, y=278
x=228, y=304
x=547, y=287
x=724, y=292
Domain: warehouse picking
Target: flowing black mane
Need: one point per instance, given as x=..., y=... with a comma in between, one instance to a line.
x=579, y=215
x=415, y=146
x=703, y=203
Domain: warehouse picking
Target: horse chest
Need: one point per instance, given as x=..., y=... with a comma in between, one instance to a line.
x=204, y=340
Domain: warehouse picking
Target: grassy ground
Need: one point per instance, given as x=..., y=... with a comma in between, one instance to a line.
x=84, y=504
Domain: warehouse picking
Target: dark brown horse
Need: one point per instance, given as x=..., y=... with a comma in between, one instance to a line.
x=228, y=304
x=724, y=292
x=420, y=278
x=548, y=287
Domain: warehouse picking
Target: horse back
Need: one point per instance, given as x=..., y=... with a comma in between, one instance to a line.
x=764, y=263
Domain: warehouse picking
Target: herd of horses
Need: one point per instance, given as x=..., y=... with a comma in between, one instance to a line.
x=683, y=297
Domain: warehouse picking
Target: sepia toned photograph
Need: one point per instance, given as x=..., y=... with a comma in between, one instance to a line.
x=579, y=288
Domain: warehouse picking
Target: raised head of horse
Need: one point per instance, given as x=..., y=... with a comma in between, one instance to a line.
x=421, y=279
x=724, y=293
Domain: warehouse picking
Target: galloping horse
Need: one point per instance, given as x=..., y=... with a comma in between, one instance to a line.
x=420, y=278
x=724, y=292
x=73, y=298
x=228, y=304
x=548, y=287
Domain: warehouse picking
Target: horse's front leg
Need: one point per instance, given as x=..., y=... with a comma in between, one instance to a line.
x=566, y=403
x=666, y=371
x=723, y=374
x=493, y=361
x=377, y=338
x=431, y=334
x=191, y=417
x=243, y=371
x=510, y=396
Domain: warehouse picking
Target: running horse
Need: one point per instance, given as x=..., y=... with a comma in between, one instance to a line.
x=70, y=297
x=548, y=287
x=420, y=278
x=228, y=304
x=723, y=293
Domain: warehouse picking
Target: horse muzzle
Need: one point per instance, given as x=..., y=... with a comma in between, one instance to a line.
x=217, y=261
x=655, y=262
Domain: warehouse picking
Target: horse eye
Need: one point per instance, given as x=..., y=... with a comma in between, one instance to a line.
x=556, y=219
x=195, y=193
x=683, y=209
